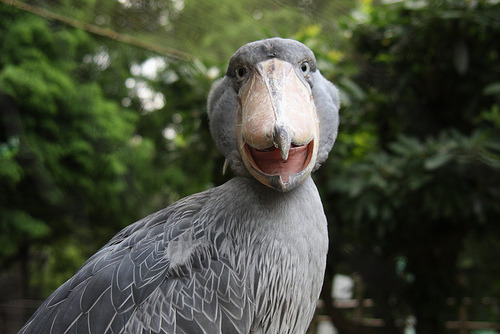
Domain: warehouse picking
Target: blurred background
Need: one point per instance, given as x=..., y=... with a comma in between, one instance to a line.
x=103, y=121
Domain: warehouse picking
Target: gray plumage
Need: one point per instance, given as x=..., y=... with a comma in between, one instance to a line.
x=238, y=258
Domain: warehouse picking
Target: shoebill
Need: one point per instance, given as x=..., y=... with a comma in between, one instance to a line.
x=245, y=257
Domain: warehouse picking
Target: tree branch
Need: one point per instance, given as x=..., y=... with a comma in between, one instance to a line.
x=104, y=32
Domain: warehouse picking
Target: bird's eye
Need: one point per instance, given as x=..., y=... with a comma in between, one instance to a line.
x=304, y=67
x=240, y=72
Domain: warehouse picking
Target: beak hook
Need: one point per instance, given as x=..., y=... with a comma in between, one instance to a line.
x=282, y=140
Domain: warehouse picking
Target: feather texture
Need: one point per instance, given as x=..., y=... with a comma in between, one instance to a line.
x=210, y=263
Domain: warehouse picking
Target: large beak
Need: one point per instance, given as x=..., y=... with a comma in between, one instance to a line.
x=278, y=130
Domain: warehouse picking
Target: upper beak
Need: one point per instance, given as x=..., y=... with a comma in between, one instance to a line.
x=278, y=130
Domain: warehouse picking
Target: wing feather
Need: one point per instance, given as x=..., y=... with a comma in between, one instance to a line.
x=163, y=274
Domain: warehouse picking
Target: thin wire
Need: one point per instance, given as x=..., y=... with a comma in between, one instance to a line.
x=104, y=32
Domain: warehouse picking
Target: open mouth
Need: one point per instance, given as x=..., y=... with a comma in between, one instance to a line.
x=270, y=162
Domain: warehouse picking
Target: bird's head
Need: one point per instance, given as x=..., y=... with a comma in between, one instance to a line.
x=273, y=115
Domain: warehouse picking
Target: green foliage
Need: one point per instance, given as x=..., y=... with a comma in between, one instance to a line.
x=10, y=171
x=381, y=186
x=66, y=152
x=17, y=227
x=415, y=169
x=82, y=153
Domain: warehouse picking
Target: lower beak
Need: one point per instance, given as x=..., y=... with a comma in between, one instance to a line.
x=278, y=130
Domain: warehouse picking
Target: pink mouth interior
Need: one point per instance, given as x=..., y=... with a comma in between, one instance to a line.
x=269, y=161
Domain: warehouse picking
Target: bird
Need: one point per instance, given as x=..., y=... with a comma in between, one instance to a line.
x=247, y=256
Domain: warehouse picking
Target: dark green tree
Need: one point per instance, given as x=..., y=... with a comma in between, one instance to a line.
x=82, y=151
x=415, y=172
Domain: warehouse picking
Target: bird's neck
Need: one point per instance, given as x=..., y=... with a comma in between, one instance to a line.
x=261, y=197
x=270, y=193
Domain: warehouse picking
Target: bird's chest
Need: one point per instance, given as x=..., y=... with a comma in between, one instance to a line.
x=289, y=267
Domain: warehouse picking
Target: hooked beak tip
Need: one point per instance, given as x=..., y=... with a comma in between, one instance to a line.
x=282, y=140
x=284, y=154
